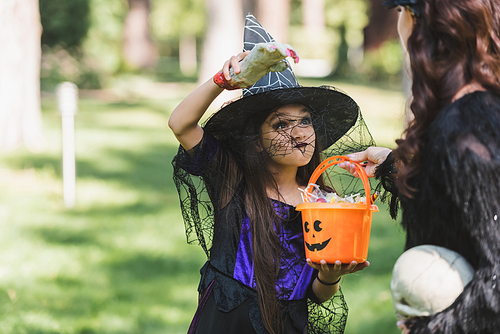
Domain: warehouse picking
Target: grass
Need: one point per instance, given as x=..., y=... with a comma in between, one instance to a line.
x=118, y=261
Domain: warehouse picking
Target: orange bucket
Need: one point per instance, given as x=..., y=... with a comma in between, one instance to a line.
x=337, y=231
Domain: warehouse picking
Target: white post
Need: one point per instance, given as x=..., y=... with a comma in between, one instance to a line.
x=67, y=101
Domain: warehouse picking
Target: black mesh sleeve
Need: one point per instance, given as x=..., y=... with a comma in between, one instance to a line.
x=386, y=173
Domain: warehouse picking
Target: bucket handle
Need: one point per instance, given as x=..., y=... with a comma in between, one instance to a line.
x=331, y=162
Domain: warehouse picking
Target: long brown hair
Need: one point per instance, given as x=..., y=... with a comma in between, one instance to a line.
x=453, y=43
x=265, y=223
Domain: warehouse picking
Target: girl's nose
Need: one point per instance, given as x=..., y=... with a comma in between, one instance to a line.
x=298, y=132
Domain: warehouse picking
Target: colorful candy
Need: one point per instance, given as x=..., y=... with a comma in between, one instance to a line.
x=320, y=196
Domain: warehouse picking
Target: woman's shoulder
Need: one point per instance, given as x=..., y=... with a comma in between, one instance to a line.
x=470, y=122
x=472, y=108
x=480, y=98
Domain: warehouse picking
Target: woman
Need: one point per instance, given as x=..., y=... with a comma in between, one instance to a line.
x=446, y=169
x=237, y=178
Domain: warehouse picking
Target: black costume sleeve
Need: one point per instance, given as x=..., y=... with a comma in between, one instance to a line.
x=329, y=316
x=385, y=173
x=193, y=170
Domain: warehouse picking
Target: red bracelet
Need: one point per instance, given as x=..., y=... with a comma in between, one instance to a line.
x=221, y=81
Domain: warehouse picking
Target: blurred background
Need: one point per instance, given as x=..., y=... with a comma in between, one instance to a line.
x=113, y=259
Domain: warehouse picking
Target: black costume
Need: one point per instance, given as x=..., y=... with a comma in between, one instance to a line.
x=457, y=206
x=211, y=181
x=227, y=285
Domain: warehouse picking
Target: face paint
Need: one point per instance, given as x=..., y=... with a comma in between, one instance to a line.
x=288, y=136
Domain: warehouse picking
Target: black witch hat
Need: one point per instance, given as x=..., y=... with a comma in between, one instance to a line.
x=333, y=112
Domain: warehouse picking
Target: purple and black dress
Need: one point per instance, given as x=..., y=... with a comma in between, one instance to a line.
x=219, y=224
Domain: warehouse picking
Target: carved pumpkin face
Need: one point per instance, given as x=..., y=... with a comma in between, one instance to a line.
x=316, y=227
x=334, y=231
x=337, y=231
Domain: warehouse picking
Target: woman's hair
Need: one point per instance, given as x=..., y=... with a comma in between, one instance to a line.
x=453, y=43
x=265, y=221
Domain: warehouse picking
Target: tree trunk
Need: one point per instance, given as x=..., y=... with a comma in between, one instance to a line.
x=381, y=27
x=138, y=48
x=313, y=13
x=249, y=6
x=223, y=39
x=224, y=36
x=343, y=68
x=188, y=62
x=20, y=56
x=274, y=16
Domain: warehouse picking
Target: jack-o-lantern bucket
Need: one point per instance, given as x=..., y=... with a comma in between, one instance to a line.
x=337, y=231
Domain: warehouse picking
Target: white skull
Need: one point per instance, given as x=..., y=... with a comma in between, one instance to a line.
x=427, y=279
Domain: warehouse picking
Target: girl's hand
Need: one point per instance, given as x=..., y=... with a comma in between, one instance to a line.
x=330, y=273
x=326, y=284
x=373, y=156
x=234, y=63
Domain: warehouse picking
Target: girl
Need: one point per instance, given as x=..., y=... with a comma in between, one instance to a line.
x=447, y=167
x=237, y=179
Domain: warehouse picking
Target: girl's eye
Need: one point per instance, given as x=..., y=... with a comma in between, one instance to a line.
x=281, y=125
x=399, y=9
x=306, y=121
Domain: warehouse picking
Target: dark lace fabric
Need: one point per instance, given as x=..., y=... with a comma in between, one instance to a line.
x=221, y=227
x=228, y=247
x=457, y=206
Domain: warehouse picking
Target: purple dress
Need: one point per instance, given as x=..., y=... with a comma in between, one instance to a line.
x=228, y=297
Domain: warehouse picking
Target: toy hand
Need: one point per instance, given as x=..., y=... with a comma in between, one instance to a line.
x=264, y=58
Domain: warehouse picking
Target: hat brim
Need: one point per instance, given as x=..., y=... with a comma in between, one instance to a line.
x=333, y=112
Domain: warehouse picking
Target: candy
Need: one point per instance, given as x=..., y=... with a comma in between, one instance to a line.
x=316, y=195
x=375, y=195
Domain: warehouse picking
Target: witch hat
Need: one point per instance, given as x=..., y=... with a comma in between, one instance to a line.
x=333, y=112
x=254, y=34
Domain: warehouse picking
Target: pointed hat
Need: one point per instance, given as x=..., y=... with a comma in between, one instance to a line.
x=254, y=34
x=333, y=112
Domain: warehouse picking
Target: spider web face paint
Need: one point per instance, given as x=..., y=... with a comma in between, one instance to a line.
x=289, y=131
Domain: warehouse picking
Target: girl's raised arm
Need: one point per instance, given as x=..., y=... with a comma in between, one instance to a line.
x=185, y=117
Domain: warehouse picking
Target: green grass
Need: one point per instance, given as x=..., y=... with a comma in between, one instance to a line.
x=118, y=261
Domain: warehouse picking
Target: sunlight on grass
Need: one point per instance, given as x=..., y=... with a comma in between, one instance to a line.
x=118, y=262
x=101, y=194
x=141, y=117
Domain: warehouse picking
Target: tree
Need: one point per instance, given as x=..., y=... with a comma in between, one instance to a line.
x=138, y=48
x=348, y=18
x=275, y=17
x=224, y=36
x=65, y=23
x=249, y=6
x=313, y=14
x=381, y=27
x=20, y=55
